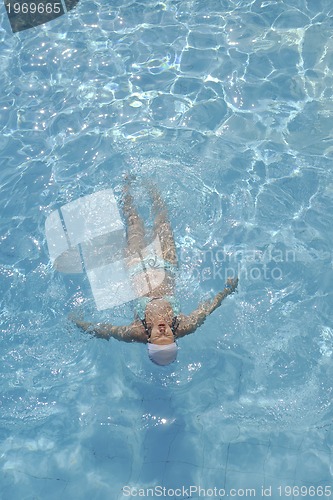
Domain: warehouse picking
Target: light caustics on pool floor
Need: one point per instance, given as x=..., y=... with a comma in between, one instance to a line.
x=230, y=112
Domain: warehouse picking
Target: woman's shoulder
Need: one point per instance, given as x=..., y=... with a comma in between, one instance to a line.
x=137, y=332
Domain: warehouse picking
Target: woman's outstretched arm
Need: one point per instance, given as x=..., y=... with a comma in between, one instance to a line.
x=188, y=324
x=130, y=333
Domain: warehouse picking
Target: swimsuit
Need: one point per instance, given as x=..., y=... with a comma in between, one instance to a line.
x=152, y=262
x=155, y=262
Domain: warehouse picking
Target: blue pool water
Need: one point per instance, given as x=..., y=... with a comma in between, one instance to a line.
x=227, y=105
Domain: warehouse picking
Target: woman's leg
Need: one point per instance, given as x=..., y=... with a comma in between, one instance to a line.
x=162, y=227
x=135, y=227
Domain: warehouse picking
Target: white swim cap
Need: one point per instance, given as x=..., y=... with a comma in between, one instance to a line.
x=162, y=354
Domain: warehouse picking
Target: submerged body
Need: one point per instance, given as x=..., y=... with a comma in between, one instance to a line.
x=158, y=320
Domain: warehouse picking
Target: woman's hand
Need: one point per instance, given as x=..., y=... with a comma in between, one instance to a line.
x=231, y=284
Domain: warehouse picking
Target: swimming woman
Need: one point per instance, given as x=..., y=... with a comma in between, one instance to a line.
x=158, y=320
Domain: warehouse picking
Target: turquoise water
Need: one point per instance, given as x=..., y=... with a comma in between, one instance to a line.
x=227, y=106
